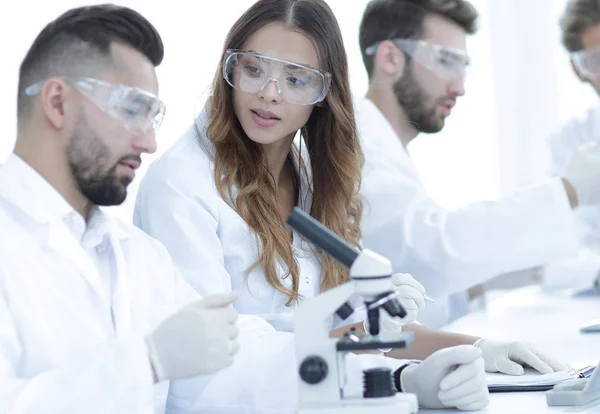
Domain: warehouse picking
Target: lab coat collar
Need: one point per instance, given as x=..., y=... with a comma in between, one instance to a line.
x=366, y=109
x=30, y=193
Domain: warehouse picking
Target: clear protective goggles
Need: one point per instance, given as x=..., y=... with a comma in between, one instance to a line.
x=138, y=109
x=296, y=83
x=447, y=63
x=587, y=62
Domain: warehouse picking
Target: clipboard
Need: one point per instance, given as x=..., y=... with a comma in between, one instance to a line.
x=536, y=382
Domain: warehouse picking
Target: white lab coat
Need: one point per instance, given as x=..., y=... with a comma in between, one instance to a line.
x=450, y=251
x=574, y=133
x=211, y=245
x=59, y=349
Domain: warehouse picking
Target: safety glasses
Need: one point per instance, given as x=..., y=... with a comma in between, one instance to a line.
x=138, y=109
x=296, y=83
x=587, y=62
x=447, y=63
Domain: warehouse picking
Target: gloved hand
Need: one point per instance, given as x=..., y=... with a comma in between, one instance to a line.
x=198, y=339
x=583, y=172
x=449, y=378
x=509, y=358
x=411, y=295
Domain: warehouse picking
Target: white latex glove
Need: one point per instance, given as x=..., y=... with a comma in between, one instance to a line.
x=198, y=339
x=583, y=172
x=411, y=295
x=449, y=378
x=509, y=358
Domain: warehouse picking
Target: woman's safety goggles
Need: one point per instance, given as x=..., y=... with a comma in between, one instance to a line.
x=296, y=83
x=447, y=63
x=138, y=109
x=587, y=61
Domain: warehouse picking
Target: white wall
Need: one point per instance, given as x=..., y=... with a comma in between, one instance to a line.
x=492, y=143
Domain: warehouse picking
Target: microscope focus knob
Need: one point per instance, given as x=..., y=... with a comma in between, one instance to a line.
x=313, y=369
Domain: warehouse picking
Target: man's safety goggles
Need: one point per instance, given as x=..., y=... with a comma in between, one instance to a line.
x=445, y=62
x=138, y=109
x=587, y=62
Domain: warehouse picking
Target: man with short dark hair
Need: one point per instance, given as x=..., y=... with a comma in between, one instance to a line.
x=415, y=53
x=92, y=311
x=68, y=58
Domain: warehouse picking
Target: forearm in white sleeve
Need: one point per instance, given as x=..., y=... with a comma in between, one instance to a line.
x=450, y=251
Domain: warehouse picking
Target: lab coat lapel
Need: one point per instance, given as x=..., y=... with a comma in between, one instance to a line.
x=122, y=306
x=62, y=242
x=53, y=234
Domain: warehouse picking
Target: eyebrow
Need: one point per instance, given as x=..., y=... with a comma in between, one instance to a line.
x=455, y=53
x=294, y=67
x=291, y=66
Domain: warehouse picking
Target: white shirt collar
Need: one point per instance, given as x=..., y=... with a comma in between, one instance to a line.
x=368, y=112
x=24, y=187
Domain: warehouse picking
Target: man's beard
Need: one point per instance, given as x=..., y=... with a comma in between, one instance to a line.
x=413, y=100
x=87, y=156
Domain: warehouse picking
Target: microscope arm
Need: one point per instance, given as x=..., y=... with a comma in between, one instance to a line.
x=310, y=322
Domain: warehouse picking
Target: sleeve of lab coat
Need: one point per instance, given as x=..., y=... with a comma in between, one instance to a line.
x=449, y=251
x=114, y=378
x=177, y=204
x=176, y=290
x=573, y=134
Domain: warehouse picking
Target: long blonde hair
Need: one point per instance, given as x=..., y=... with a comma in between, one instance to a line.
x=330, y=136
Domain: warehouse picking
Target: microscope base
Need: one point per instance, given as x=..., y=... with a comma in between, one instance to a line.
x=401, y=403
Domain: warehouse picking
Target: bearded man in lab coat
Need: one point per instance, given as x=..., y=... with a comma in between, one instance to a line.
x=92, y=312
x=580, y=32
x=415, y=55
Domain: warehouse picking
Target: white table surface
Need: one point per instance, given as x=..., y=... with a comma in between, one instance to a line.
x=551, y=322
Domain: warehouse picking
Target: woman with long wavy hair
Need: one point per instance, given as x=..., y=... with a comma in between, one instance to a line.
x=219, y=198
x=277, y=132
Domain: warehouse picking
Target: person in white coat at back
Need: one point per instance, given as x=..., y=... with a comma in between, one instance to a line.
x=94, y=317
x=415, y=55
x=580, y=33
x=219, y=198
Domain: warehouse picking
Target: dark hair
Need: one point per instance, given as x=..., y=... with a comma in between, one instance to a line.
x=579, y=15
x=79, y=41
x=331, y=138
x=391, y=19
